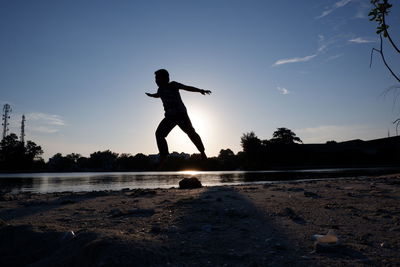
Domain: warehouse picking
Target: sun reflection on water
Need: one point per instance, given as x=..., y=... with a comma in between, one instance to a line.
x=189, y=172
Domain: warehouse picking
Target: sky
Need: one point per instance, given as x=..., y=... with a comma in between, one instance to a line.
x=79, y=71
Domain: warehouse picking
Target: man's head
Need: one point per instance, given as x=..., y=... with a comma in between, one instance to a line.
x=162, y=77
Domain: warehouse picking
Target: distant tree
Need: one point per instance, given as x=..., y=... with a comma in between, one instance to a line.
x=67, y=163
x=254, y=151
x=33, y=151
x=251, y=144
x=225, y=154
x=141, y=161
x=284, y=136
x=124, y=162
x=103, y=160
x=74, y=157
x=14, y=155
x=227, y=159
x=331, y=142
x=12, y=152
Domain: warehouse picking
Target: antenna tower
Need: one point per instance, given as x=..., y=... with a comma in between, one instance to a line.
x=23, y=130
x=6, y=117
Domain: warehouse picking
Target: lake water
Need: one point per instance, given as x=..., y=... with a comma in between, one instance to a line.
x=94, y=181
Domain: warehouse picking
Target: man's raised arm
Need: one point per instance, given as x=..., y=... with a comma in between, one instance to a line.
x=156, y=95
x=194, y=89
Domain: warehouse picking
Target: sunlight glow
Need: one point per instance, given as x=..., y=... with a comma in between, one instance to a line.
x=202, y=123
x=189, y=172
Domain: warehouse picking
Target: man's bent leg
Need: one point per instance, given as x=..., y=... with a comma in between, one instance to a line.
x=186, y=125
x=163, y=129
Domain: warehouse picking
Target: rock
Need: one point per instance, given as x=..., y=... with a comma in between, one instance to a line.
x=190, y=183
x=327, y=243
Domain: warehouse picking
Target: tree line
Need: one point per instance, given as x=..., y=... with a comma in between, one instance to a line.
x=283, y=151
x=17, y=156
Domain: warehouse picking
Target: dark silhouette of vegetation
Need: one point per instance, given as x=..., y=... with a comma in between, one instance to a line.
x=15, y=155
x=380, y=10
x=283, y=151
x=284, y=136
x=378, y=13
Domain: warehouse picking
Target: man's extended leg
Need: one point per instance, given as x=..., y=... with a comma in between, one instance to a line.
x=163, y=129
x=186, y=125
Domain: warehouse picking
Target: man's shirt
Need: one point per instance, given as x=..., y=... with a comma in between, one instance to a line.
x=171, y=98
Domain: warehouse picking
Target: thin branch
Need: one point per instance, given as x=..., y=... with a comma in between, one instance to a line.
x=387, y=33
x=384, y=60
x=372, y=52
x=397, y=122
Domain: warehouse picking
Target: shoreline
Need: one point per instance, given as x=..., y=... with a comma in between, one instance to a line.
x=240, y=225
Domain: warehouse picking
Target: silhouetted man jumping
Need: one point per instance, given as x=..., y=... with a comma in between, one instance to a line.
x=175, y=113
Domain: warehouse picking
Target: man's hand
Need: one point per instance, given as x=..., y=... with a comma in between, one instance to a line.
x=205, y=92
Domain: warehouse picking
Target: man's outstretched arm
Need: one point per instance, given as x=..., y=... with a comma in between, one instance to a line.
x=156, y=95
x=197, y=90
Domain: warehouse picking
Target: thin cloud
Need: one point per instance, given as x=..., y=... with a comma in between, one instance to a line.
x=360, y=40
x=46, y=118
x=44, y=123
x=335, y=6
x=294, y=60
x=362, y=10
x=334, y=57
x=282, y=90
x=322, y=47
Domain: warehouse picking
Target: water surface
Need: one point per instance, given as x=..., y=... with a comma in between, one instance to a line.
x=95, y=181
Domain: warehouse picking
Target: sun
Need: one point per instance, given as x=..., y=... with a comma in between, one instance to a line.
x=200, y=121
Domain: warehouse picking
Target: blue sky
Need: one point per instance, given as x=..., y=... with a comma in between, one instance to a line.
x=79, y=70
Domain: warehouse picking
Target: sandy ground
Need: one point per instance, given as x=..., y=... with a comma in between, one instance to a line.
x=257, y=225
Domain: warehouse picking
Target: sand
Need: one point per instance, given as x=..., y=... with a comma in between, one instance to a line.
x=245, y=225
